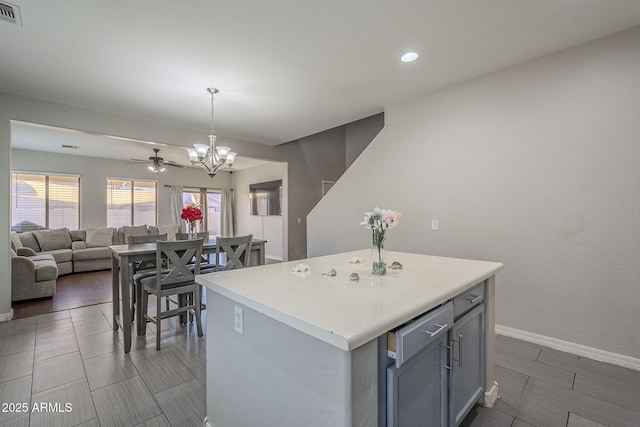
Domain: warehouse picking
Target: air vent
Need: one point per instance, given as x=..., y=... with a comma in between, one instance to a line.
x=10, y=13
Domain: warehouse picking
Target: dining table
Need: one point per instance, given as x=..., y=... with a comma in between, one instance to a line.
x=122, y=259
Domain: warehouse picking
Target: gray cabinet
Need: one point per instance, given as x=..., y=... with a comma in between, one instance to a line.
x=467, y=370
x=438, y=370
x=417, y=382
x=417, y=390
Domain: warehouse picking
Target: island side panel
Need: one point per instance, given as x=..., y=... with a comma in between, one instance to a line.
x=491, y=385
x=364, y=384
x=273, y=374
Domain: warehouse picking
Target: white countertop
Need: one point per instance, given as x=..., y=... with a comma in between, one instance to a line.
x=341, y=312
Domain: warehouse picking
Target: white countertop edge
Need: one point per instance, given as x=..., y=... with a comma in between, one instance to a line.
x=329, y=337
x=348, y=343
x=375, y=331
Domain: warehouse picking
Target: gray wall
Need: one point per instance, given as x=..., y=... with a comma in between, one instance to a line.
x=536, y=166
x=359, y=134
x=322, y=156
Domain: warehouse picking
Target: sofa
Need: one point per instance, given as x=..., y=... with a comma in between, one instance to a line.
x=40, y=256
x=77, y=251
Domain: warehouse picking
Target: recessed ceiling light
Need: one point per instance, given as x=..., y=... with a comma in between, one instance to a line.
x=409, y=57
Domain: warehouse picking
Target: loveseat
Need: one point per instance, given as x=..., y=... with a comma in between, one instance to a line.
x=81, y=250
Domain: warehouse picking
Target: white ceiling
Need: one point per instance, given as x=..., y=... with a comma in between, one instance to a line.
x=285, y=68
x=29, y=136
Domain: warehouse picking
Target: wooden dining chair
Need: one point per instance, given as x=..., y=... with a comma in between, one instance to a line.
x=142, y=268
x=178, y=279
x=204, y=235
x=152, y=238
x=237, y=251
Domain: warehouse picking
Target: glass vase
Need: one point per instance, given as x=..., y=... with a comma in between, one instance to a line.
x=378, y=255
x=192, y=231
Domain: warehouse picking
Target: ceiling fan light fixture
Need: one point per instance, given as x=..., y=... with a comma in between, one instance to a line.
x=155, y=163
x=156, y=168
x=209, y=157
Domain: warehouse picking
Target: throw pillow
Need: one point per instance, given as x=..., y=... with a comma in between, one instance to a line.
x=50, y=240
x=78, y=235
x=140, y=230
x=170, y=230
x=15, y=241
x=99, y=237
x=29, y=241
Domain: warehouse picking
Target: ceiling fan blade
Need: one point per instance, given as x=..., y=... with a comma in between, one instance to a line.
x=175, y=165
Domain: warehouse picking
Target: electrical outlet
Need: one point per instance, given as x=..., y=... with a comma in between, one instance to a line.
x=238, y=320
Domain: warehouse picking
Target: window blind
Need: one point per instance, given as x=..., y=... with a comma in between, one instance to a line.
x=131, y=202
x=49, y=201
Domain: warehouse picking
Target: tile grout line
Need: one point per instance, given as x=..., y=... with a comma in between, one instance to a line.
x=525, y=384
x=86, y=377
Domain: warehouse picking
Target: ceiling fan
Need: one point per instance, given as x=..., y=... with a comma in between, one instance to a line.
x=157, y=163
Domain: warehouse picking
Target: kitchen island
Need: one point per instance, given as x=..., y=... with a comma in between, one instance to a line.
x=302, y=348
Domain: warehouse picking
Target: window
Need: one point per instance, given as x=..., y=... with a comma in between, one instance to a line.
x=45, y=200
x=209, y=202
x=131, y=202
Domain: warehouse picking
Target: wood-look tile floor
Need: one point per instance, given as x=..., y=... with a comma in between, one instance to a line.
x=73, y=356
x=543, y=387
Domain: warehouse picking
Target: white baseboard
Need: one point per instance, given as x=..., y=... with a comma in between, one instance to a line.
x=5, y=317
x=490, y=396
x=569, y=347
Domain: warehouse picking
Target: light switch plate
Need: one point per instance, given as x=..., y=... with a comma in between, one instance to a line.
x=434, y=224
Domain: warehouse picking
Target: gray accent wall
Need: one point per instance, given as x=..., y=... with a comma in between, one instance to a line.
x=359, y=134
x=536, y=166
x=312, y=159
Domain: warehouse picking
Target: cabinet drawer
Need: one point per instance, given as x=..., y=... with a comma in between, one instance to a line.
x=468, y=300
x=411, y=338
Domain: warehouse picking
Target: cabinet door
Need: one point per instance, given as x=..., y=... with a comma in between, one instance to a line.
x=467, y=370
x=417, y=391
